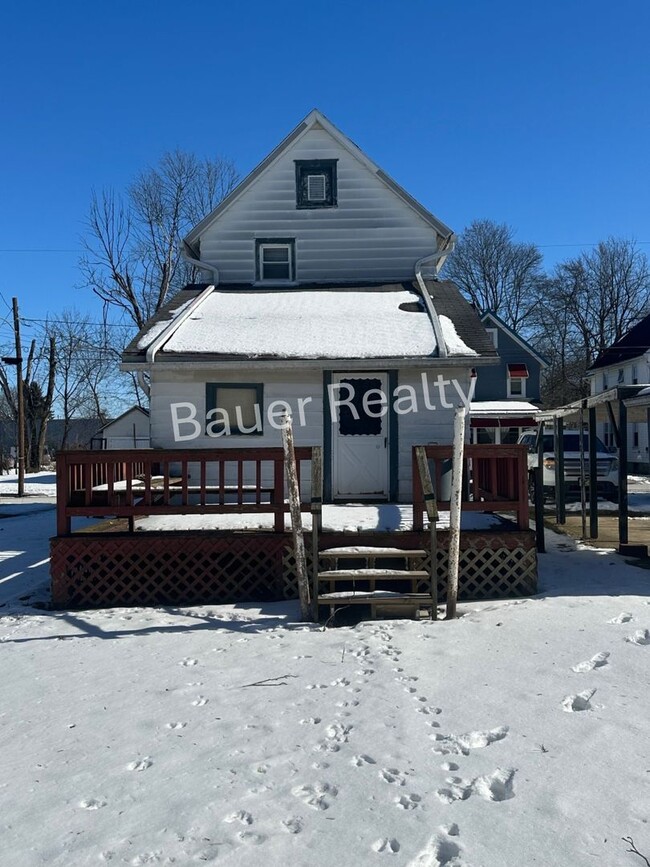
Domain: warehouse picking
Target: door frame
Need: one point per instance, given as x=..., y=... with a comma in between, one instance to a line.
x=393, y=434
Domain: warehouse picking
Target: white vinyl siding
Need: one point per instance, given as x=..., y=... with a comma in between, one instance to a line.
x=421, y=428
x=371, y=234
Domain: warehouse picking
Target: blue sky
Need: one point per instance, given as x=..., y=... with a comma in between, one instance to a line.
x=531, y=113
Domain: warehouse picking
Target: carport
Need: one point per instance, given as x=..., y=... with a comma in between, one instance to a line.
x=619, y=406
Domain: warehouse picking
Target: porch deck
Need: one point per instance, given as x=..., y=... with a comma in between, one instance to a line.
x=222, y=533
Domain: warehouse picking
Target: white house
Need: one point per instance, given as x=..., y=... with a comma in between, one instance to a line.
x=320, y=297
x=626, y=362
x=128, y=431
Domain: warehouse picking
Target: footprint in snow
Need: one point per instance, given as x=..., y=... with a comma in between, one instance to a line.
x=200, y=701
x=251, y=838
x=175, y=725
x=497, y=786
x=440, y=851
x=386, y=846
x=188, y=661
x=293, y=825
x=429, y=710
x=408, y=802
x=393, y=776
x=318, y=796
x=310, y=721
x=92, y=804
x=597, y=661
x=141, y=765
x=241, y=816
x=623, y=617
x=363, y=759
x=579, y=702
x=460, y=745
x=640, y=637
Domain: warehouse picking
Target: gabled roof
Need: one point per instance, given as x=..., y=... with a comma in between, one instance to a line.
x=631, y=345
x=112, y=421
x=321, y=321
x=315, y=119
x=491, y=315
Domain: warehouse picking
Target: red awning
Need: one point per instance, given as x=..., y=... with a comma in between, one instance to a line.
x=517, y=370
x=518, y=421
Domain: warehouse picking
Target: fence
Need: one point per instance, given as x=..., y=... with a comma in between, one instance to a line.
x=138, y=482
x=495, y=479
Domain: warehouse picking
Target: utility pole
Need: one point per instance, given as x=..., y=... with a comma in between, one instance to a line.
x=20, y=399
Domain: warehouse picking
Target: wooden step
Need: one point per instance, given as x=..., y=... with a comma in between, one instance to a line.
x=376, y=598
x=365, y=551
x=372, y=575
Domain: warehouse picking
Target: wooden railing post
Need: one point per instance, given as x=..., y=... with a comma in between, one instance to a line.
x=424, y=477
x=296, y=518
x=316, y=522
x=63, y=523
x=418, y=497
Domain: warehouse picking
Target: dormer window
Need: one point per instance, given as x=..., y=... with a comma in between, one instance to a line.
x=315, y=183
x=275, y=260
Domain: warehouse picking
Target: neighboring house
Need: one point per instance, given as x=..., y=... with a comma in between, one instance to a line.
x=626, y=362
x=506, y=397
x=128, y=431
x=322, y=297
x=77, y=433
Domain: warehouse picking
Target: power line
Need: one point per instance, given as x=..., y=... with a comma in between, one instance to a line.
x=37, y=250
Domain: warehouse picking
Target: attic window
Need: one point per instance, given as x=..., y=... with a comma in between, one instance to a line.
x=315, y=183
x=275, y=260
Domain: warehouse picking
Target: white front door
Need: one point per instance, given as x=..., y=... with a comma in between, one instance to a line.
x=360, y=463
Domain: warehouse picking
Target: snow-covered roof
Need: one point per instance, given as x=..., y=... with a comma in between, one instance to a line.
x=306, y=324
x=311, y=322
x=501, y=408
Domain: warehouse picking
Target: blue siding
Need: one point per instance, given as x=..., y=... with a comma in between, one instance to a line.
x=492, y=382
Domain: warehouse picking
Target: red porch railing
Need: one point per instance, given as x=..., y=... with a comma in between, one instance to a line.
x=138, y=482
x=495, y=479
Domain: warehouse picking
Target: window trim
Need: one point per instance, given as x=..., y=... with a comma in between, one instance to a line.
x=328, y=168
x=211, y=391
x=522, y=380
x=494, y=335
x=260, y=245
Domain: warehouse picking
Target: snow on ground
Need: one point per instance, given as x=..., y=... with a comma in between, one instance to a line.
x=36, y=485
x=516, y=735
x=346, y=518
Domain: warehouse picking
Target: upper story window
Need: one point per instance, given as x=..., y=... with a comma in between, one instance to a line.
x=517, y=376
x=315, y=183
x=620, y=377
x=605, y=381
x=275, y=260
x=635, y=374
x=494, y=336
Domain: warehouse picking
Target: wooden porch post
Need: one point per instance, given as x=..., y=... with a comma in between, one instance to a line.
x=296, y=518
x=593, y=476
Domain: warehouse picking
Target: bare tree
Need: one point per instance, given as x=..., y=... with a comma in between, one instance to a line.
x=590, y=302
x=38, y=383
x=496, y=272
x=132, y=242
x=85, y=361
x=605, y=291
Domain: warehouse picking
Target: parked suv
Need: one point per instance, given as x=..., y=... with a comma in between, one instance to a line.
x=606, y=462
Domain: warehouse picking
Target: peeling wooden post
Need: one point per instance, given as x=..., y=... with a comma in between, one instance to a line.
x=296, y=517
x=316, y=522
x=455, y=510
x=432, y=514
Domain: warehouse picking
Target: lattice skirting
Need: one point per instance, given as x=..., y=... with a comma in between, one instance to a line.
x=94, y=571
